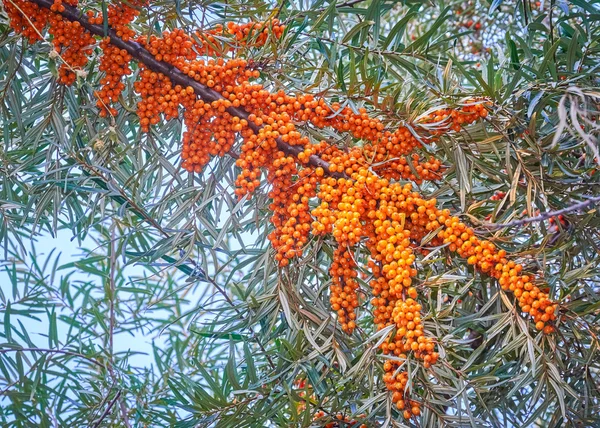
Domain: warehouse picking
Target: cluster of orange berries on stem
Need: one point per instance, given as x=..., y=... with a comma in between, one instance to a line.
x=339, y=422
x=59, y=7
x=27, y=19
x=114, y=61
x=74, y=45
x=499, y=195
x=258, y=32
x=360, y=200
x=339, y=419
x=215, y=41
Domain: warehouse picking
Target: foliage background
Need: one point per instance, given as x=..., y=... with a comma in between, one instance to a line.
x=176, y=261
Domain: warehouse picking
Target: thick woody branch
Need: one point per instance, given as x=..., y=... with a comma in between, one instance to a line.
x=139, y=53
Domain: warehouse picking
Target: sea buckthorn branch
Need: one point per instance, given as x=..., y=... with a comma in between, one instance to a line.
x=360, y=199
x=138, y=52
x=142, y=55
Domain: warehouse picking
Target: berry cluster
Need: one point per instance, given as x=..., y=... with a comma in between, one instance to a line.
x=59, y=7
x=27, y=19
x=291, y=215
x=487, y=258
x=344, y=288
x=498, y=196
x=397, y=382
x=324, y=420
x=71, y=41
x=554, y=223
x=216, y=41
x=114, y=62
x=257, y=32
x=340, y=421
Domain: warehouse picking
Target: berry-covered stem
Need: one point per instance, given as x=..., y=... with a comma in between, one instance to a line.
x=207, y=94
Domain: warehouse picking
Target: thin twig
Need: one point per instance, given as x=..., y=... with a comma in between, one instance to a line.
x=112, y=291
x=8, y=79
x=350, y=3
x=54, y=351
x=107, y=411
x=544, y=216
x=112, y=317
x=235, y=308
